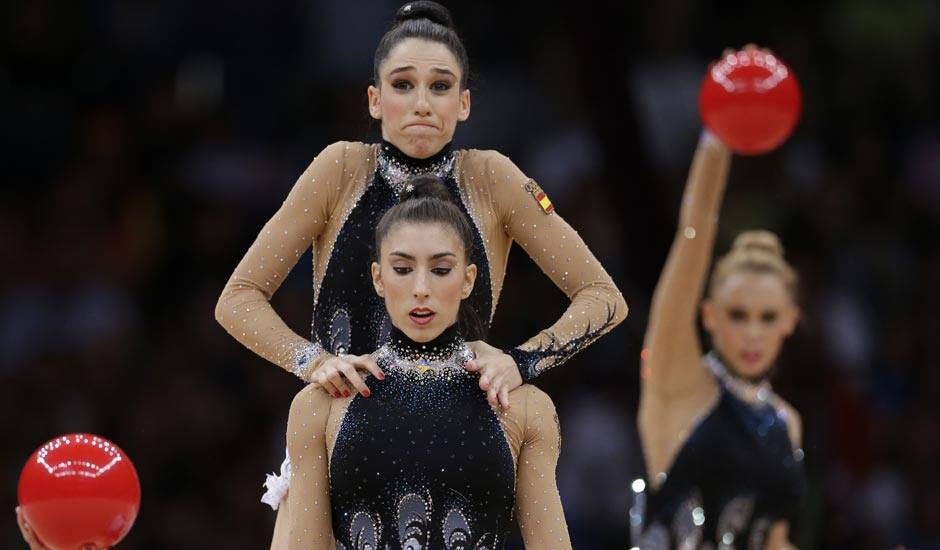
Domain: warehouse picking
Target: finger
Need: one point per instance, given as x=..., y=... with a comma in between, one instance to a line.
x=338, y=378
x=491, y=397
x=485, y=382
x=726, y=52
x=750, y=46
x=352, y=376
x=329, y=388
x=367, y=363
x=326, y=382
x=504, y=397
x=472, y=365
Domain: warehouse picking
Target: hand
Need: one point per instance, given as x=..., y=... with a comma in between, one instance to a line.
x=28, y=534
x=747, y=47
x=499, y=373
x=340, y=375
x=30, y=537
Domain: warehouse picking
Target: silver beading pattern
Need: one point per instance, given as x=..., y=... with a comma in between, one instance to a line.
x=304, y=357
x=396, y=173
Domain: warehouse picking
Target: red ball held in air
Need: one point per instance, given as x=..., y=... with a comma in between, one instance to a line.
x=751, y=101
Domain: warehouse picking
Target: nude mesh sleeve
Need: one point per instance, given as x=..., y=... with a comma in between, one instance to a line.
x=311, y=523
x=244, y=308
x=596, y=305
x=538, y=504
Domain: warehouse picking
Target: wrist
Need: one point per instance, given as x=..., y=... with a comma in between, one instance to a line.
x=525, y=362
x=306, y=360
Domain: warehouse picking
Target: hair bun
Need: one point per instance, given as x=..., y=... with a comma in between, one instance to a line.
x=758, y=241
x=426, y=186
x=425, y=9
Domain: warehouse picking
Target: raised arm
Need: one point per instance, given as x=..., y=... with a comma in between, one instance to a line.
x=596, y=305
x=538, y=505
x=244, y=308
x=672, y=350
x=311, y=525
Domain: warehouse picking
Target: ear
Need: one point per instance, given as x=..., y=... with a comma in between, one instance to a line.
x=377, y=279
x=464, y=112
x=469, y=278
x=375, y=102
x=708, y=315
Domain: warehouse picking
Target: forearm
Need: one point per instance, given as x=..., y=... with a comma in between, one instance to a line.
x=248, y=316
x=594, y=311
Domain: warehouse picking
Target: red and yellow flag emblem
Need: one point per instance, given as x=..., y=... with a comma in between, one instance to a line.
x=540, y=196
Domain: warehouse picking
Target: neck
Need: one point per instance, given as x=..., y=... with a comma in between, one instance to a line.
x=440, y=348
x=751, y=390
x=394, y=151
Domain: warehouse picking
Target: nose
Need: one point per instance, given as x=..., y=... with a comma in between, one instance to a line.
x=421, y=288
x=753, y=330
x=422, y=106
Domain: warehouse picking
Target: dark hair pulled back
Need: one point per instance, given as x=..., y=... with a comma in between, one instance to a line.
x=427, y=200
x=425, y=20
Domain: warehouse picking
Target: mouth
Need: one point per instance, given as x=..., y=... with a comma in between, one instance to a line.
x=751, y=357
x=421, y=315
x=422, y=126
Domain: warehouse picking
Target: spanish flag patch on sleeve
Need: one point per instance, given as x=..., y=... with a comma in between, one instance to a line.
x=540, y=196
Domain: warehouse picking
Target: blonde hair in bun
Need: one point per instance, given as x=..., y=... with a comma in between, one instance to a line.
x=757, y=251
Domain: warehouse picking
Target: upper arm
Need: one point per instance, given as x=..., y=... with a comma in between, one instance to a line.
x=596, y=307
x=545, y=236
x=310, y=524
x=243, y=307
x=671, y=346
x=538, y=504
x=298, y=221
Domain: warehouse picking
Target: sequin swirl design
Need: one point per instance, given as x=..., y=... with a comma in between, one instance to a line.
x=735, y=475
x=533, y=362
x=424, y=456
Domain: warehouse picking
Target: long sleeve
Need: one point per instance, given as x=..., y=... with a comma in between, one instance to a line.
x=309, y=497
x=538, y=505
x=596, y=307
x=244, y=308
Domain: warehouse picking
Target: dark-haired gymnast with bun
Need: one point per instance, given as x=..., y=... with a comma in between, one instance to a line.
x=419, y=95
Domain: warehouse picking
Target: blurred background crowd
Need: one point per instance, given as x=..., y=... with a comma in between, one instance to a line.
x=145, y=143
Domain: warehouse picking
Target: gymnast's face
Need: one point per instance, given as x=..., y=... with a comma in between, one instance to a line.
x=749, y=316
x=423, y=275
x=418, y=98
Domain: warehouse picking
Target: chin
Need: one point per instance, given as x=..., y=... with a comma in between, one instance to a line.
x=423, y=146
x=751, y=372
x=421, y=334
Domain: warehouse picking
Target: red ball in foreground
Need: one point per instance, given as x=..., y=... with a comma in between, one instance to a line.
x=751, y=101
x=78, y=489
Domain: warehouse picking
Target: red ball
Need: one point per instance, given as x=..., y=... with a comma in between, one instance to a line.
x=78, y=489
x=751, y=101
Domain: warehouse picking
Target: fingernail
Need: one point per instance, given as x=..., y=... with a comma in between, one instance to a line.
x=366, y=393
x=346, y=393
x=381, y=375
x=336, y=394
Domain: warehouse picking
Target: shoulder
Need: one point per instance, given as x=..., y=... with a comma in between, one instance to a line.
x=308, y=402
x=531, y=404
x=341, y=150
x=488, y=162
x=793, y=419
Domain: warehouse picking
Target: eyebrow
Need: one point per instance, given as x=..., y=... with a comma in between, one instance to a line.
x=433, y=257
x=412, y=68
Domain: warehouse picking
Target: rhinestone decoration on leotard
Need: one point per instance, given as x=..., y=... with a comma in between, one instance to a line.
x=425, y=456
